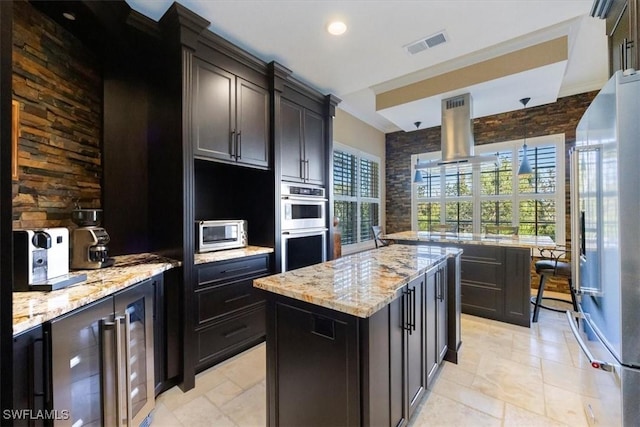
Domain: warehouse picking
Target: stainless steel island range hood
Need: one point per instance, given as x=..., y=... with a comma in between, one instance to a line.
x=457, y=135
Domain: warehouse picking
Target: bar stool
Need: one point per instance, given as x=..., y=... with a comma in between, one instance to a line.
x=551, y=266
x=377, y=232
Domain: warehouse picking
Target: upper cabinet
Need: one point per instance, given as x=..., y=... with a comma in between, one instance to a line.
x=623, y=27
x=230, y=117
x=303, y=144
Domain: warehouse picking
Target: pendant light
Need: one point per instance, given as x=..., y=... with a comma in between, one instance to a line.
x=418, y=175
x=525, y=167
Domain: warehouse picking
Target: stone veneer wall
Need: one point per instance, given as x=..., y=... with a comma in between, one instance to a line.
x=58, y=83
x=559, y=117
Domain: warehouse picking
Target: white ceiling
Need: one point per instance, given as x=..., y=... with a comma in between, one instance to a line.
x=369, y=58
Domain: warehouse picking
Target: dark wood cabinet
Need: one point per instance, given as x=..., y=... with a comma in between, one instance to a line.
x=414, y=336
x=29, y=375
x=302, y=144
x=622, y=28
x=229, y=311
x=441, y=312
x=230, y=117
x=431, y=329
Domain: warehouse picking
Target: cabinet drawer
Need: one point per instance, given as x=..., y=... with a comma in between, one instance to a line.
x=224, y=299
x=481, y=301
x=227, y=335
x=216, y=271
x=482, y=253
x=481, y=273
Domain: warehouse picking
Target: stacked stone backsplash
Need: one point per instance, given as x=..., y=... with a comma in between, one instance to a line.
x=58, y=84
x=559, y=117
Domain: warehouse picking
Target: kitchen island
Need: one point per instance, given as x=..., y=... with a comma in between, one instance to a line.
x=495, y=271
x=357, y=341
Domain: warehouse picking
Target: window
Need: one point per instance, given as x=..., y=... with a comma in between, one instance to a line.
x=356, y=191
x=470, y=197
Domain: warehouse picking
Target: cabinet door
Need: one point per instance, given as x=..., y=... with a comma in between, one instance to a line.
x=291, y=141
x=29, y=374
x=252, y=144
x=431, y=329
x=415, y=344
x=78, y=341
x=441, y=311
x=397, y=379
x=159, y=333
x=214, y=92
x=314, y=148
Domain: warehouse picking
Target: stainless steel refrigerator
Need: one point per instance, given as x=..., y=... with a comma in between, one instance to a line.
x=605, y=210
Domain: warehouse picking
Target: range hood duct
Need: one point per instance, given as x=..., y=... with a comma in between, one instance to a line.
x=456, y=140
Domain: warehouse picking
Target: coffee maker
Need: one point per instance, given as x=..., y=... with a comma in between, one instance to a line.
x=89, y=250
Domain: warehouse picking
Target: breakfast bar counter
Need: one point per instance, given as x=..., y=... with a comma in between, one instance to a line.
x=496, y=270
x=356, y=341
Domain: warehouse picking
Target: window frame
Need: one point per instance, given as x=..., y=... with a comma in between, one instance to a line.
x=358, y=199
x=515, y=146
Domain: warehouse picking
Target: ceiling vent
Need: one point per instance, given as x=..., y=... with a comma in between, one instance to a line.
x=426, y=43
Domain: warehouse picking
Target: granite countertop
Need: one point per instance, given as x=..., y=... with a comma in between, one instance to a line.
x=473, y=239
x=230, y=254
x=358, y=284
x=34, y=308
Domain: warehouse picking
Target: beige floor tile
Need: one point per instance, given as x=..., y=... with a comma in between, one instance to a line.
x=511, y=382
x=515, y=416
x=440, y=411
x=567, y=377
x=249, y=409
x=546, y=350
x=454, y=373
x=470, y=397
x=564, y=406
x=162, y=417
x=223, y=393
x=200, y=412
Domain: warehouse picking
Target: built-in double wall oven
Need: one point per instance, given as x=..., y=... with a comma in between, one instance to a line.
x=304, y=226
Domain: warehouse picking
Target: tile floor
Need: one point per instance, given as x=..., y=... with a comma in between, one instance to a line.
x=507, y=376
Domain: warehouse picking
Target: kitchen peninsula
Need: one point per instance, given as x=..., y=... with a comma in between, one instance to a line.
x=495, y=270
x=357, y=340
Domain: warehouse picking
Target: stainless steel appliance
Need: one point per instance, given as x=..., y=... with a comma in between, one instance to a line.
x=304, y=226
x=102, y=361
x=41, y=260
x=220, y=234
x=303, y=206
x=605, y=172
x=89, y=241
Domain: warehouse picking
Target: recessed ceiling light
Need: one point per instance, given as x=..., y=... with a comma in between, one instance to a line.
x=337, y=28
x=69, y=15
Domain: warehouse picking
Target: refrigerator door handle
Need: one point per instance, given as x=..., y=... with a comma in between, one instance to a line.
x=575, y=249
x=595, y=363
x=119, y=360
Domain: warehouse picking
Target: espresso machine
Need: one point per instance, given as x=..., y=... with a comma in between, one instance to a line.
x=89, y=241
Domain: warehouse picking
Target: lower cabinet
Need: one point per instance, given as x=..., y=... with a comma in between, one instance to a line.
x=325, y=367
x=229, y=312
x=29, y=376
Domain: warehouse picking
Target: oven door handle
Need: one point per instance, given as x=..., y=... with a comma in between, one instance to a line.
x=304, y=231
x=305, y=199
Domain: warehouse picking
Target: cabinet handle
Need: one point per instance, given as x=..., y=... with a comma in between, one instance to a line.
x=406, y=295
x=118, y=384
x=127, y=366
x=239, y=145
x=232, y=143
x=239, y=297
x=307, y=169
x=302, y=169
x=236, y=331
x=414, y=309
x=623, y=55
x=46, y=380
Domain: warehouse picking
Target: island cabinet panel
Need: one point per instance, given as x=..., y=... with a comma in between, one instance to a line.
x=230, y=117
x=482, y=281
x=517, y=285
x=325, y=367
x=229, y=312
x=442, y=317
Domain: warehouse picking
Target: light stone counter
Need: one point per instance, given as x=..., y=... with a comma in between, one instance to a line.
x=531, y=242
x=34, y=308
x=358, y=284
x=228, y=254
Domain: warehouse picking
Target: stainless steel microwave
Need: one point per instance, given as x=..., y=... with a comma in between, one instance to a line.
x=220, y=234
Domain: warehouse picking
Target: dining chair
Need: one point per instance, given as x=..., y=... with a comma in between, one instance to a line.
x=376, y=230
